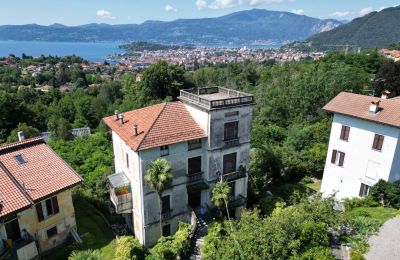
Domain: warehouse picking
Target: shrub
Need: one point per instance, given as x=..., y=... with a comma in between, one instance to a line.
x=360, y=202
x=128, y=247
x=268, y=204
x=318, y=253
x=306, y=180
x=173, y=246
x=86, y=255
x=386, y=193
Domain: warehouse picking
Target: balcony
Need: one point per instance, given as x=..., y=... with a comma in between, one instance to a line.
x=216, y=97
x=166, y=214
x=231, y=143
x=231, y=176
x=120, y=193
x=239, y=201
x=196, y=182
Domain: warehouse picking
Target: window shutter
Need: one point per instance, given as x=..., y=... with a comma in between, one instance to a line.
x=341, y=159
x=343, y=133
x=375, y=144
x=347, y=133
x=380, y=142
x=361, y=190
x=55, y=204
x=39, y=211
x=333, y=160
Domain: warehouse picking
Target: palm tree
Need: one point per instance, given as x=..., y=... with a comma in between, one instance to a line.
x=159, y=177
x=220, y=195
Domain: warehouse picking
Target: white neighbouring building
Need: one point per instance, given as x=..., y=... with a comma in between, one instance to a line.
x=205, y=135
x=364, y=144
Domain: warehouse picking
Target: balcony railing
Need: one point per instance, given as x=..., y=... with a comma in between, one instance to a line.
x=166, y=215
x=237, y=202
x=231, y=143
x=234, y=175
x=122, y=203
x=195, y=177
x=232, y=97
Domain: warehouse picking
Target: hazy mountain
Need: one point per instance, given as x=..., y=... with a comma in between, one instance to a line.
x=246, y=27
x=376, y=29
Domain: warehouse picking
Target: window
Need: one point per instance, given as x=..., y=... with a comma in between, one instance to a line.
x=52, y=232
x=338, y=157
x=12, y=230
x=344, y=134
x=127, y=160
x=364, y=190
x=20, y=159
x=194, y=144
x=194, y=165
x=164, y=150
x=47, y=208
x=165, y=202
x=378, y=142
x=230, y=163
x=231, y=131
x=166, y=230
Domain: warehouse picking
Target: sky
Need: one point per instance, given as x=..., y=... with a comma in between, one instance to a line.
x=77, y=12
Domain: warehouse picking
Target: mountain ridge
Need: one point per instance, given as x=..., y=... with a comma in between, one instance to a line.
x=373, y=30
x=244, y=27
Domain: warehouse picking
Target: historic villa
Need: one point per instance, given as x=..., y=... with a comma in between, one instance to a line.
x=205, y=136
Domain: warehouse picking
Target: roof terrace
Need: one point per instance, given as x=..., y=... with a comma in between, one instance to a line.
x=215, y=97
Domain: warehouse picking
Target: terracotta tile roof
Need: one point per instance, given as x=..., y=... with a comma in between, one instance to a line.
x=162, y=124
x=43, y=174
x=354, y=105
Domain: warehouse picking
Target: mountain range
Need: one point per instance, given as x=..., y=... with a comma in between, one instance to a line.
x=374, y=30
x=252, y=27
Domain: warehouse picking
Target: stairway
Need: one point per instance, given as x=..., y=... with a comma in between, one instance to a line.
x=198, y=238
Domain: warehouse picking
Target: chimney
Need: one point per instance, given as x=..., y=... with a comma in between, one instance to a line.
x=385, y=94
x=116, y=114
x=21, y=136
x=374, y=107
x=121, y=118
x=135, y=130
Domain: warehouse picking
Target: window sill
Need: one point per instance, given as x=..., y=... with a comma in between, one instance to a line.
x=376, y=150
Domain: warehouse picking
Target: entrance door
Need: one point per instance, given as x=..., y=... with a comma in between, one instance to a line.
x=12, y=230
x=194, y=199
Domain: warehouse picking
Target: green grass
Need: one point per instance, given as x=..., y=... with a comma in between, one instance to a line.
x=93, y=230
x=380, y=213
x=316, y=186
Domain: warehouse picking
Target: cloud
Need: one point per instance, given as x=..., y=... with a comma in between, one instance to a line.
x=380, y=8
x=169, y=8
x=105, y=14
x=340, y=14
x=298, y=11
x=366, y=10
x=221, y=4
x=201, y=4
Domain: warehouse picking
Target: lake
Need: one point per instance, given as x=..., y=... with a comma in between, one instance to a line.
x=94, y=52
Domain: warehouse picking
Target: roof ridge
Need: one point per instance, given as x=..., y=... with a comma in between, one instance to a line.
x=151, y=127
x=21, y=144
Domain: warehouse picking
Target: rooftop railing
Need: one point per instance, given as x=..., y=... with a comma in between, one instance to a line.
x=233, y=97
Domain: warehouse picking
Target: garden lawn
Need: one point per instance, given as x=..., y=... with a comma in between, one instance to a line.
x=316, y=186
x=93, y=230
x=379, y=213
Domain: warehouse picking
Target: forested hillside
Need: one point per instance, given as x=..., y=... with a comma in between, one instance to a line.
x=374, y=30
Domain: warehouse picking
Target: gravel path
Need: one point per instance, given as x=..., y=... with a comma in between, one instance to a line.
x=386, y=244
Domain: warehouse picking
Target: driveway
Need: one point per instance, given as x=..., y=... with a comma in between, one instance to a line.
x=386, y=244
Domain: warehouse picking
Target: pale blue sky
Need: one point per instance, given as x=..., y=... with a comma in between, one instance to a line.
x=76, y=12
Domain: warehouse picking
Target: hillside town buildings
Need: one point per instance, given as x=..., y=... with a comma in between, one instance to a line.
x=364, y=145
x=36, y=209
x=206, y=138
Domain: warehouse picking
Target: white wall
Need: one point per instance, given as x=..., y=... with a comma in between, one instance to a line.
x=346, y=180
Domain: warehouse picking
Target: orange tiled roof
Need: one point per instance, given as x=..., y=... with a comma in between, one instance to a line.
x=354, y=105
x=43, y=174
x=162, y=124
